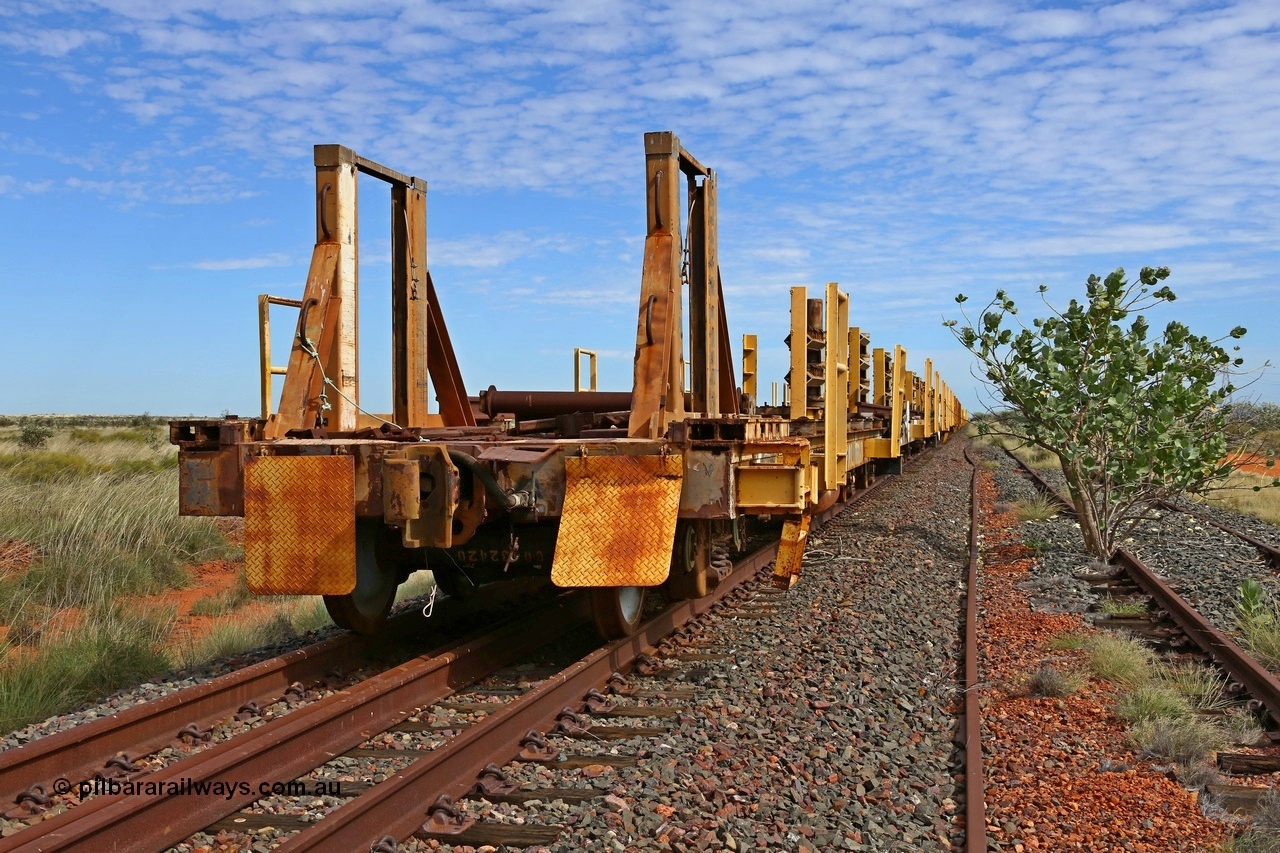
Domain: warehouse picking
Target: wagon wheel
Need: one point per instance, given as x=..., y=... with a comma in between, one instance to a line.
x=617, y=610
x=454, y=582
x=364, y=609
x=690, y=559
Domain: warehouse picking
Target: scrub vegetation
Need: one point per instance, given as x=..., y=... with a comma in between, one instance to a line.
x=89, y=527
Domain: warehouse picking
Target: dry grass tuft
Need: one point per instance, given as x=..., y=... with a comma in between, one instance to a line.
x=1121, y=659
x=1048, y=681
x=1183, y=741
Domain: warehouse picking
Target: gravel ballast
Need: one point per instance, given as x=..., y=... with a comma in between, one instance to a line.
x=829, y=725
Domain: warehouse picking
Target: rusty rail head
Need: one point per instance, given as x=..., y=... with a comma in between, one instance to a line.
x=975, y=822
x=75, y=753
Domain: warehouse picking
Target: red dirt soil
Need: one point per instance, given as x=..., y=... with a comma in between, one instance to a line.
x=207, y=580
x=1046, y=789
x=16, y=556
x=1254, y=464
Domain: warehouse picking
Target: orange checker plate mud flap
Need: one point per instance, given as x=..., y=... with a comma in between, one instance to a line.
x=786, y=568
x=300, y=525
x=618, y=525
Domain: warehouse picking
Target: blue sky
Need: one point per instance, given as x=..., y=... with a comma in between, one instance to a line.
x=155, y=173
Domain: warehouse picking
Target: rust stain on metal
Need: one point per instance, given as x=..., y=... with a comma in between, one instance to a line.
x=795, y=534
x=619, y=520
x=300, y=525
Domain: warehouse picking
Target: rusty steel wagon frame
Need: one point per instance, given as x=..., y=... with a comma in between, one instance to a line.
x=613, y=491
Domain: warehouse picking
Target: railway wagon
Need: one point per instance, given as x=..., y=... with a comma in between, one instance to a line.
x=617, y=492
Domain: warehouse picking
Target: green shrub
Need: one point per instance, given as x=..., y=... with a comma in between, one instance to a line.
x=34, y=436
x=1253, y=841
x=229, y=638
x=1202, y=686
x=101, y=537
x=1258, y=620
x=149, y=436
x=44, y=466
x=1241, y=727
x=1038, y=508
x=1112, y=607
x=1068, y=641
x=309, y=614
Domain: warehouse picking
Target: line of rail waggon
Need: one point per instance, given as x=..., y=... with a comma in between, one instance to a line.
x=618, y=492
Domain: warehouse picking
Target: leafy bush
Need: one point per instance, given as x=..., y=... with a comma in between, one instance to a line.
x=1258, y=620
x=1132, y=418
x=34, y=436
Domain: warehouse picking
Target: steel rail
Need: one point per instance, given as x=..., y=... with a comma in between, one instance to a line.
x=287, y=747
x=75, y=754
x=975, y=811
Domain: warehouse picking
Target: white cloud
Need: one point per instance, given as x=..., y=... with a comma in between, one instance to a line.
x=488, y=252
x=252, y=263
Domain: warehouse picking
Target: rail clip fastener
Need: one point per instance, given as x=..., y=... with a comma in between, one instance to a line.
x=569, y=723
x=648, y=665
x=191, y=734
x=30, y=803
x=596, y=702
x=492, y=782
x=617, y=685
x=534, y=747
x=445, y=818
x=248, y=711
x=117, y=767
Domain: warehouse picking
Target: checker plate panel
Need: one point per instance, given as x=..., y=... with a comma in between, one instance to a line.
x=300, y=525
x=619, y=520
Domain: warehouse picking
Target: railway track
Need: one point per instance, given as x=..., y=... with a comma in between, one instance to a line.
x=189, y=715
x=160, y=810
x=1210, y=639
